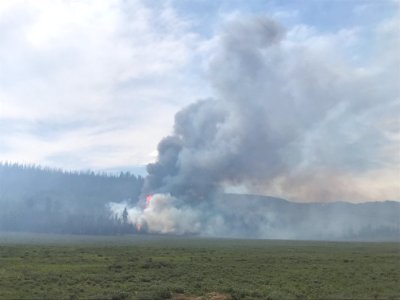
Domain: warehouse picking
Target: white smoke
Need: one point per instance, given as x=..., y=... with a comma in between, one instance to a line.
x=162, y=214
x=231, y=215
x=285, y=114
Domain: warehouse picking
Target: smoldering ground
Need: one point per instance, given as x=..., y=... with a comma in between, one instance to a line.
x=284, y=117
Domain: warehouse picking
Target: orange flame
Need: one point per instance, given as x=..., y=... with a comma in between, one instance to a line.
x=148, y=199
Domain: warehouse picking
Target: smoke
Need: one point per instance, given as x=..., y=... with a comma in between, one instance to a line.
x=283, y=113
x=166, y=214
x=163, y=214
x=229, y=139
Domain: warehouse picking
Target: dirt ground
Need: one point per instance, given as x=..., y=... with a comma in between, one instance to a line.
x=211, y=296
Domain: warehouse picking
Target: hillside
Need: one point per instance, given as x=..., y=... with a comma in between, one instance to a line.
x=46, y=200
x=315, y=221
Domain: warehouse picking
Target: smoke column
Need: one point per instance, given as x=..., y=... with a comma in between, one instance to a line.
x=273, y=122
x=228, y=139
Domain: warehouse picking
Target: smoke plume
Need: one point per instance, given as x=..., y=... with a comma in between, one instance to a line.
x=283, y=113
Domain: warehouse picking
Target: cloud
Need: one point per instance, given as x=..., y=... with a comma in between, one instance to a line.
x=93, y=84
x=98, y=63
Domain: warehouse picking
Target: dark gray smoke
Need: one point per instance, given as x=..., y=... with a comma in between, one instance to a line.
x=284, y=116
x=229, y=139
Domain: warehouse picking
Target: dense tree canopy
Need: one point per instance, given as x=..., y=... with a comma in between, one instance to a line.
x=33, y=198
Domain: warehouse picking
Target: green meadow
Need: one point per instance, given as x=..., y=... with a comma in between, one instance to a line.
x=152, y=267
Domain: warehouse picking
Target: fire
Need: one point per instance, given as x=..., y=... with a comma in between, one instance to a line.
x=148, y=199
x=138, y=226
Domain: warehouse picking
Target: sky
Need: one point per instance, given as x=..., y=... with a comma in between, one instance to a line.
x=95, y=84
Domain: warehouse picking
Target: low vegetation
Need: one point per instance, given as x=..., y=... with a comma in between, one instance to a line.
x=142, y=267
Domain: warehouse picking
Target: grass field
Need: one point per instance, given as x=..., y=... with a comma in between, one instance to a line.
x=148, y=267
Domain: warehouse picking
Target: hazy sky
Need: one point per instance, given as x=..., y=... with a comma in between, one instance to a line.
x=96, y=83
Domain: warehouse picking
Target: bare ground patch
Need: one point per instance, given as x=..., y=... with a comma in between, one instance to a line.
x=210, y=296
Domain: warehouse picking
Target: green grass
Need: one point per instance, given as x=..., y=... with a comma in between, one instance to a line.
x=139, y=267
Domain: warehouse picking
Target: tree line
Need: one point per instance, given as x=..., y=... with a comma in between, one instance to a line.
x=39, y=199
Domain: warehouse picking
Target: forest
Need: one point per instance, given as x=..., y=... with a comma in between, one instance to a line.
x=37, y=199
x=43, y=200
